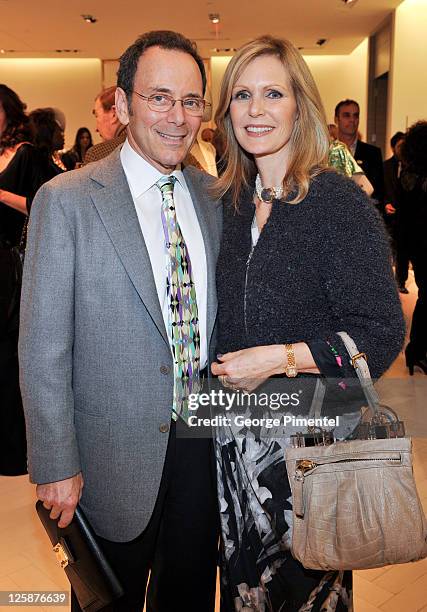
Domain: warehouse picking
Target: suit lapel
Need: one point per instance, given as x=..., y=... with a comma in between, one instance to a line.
x=205, y=209
x=113, y=201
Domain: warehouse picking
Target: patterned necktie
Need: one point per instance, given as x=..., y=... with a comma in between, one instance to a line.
x=183, y=316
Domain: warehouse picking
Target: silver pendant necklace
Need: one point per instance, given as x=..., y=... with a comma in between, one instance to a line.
x=267, y=194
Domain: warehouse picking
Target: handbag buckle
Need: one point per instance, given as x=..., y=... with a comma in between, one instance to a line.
x=356, y=357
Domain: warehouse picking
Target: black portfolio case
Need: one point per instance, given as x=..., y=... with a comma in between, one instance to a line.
x=92, y=578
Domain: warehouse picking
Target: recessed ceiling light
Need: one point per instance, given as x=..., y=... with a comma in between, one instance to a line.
x=214, y=17
x=224, y=50
x=89, y=18
x=349, y=2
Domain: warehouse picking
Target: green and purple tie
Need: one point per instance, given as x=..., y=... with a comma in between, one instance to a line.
x=183, y=316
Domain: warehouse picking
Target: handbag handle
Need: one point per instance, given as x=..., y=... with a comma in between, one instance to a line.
x=358, y=360
x=360, y=364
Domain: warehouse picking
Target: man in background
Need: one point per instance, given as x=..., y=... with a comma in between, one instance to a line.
x=367, y=156
x=108, y=126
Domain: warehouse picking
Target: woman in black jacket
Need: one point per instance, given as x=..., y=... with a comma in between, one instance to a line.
x=304, y=256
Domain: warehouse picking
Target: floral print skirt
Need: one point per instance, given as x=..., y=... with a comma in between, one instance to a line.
x=258, y=572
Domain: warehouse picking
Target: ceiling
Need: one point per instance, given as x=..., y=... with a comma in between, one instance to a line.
x=37, y=28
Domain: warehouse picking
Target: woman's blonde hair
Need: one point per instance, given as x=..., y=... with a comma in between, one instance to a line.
x=309, y=142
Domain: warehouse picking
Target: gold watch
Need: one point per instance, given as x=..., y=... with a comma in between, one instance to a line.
x=291, y=366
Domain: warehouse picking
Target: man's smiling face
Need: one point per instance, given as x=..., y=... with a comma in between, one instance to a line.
x=162, y=138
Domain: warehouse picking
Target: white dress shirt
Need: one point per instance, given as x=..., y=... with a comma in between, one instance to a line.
x=142, y=178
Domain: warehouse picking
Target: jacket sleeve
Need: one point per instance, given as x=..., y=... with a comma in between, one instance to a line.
x=359, y=282
x=46, y=340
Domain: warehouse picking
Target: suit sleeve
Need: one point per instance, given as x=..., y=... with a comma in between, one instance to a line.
x=46, y=340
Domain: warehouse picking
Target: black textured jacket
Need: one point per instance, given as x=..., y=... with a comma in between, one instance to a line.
x=319, y=267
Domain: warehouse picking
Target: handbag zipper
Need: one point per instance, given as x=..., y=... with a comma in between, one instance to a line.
x=306, y=465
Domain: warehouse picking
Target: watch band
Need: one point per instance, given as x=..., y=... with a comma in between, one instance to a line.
x=291, y=366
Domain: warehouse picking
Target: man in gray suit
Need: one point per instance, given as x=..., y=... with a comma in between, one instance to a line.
x=101, y=368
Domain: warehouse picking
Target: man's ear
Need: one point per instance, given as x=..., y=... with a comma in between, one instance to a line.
x=121, y=106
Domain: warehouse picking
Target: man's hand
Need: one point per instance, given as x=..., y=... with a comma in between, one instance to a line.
x=61, y=497
x=390, y=209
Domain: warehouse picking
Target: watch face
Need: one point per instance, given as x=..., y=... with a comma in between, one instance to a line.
x=291, y=372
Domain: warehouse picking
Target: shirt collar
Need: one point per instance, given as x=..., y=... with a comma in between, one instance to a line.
x=141, y=175
x=353, y=146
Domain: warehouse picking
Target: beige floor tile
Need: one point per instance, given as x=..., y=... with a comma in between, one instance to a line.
x=7, y=584
x=9, y=562
x=412, y=599
x=32, y=578
x=360, y=605
x=49, y=566
x=22, y=608
x=370, y=592
x=372, y=574
x=422, y=488
x=399, y=577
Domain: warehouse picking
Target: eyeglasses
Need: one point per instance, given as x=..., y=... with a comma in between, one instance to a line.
x=163, y=103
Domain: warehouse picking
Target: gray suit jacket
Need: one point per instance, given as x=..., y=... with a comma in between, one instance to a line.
x=96, y=366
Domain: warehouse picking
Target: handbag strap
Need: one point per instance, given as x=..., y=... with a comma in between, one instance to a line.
x=359, y=362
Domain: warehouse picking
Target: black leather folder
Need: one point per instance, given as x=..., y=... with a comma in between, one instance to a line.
x=92, y=578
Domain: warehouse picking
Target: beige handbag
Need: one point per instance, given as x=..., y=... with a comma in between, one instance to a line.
x=355, y=504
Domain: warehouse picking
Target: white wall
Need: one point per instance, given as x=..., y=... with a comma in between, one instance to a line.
x=342, y=76
x=337, y=77
x=218, y=67
x=69, y=84
x=408, y=86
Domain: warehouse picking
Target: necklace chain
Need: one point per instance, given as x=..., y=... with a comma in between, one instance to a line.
x=267, y=194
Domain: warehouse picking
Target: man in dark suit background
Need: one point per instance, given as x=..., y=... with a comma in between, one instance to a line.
x=392, y=169
x=367, y=156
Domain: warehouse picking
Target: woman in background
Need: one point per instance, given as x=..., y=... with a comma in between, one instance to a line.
x=74, y=157
x=14, y=131
x=32, y=165
x=28, y=167
x=303, y=257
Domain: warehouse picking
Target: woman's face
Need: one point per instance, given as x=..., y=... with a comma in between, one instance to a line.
x=84, y=140
x=263, y=108
x=3, y=119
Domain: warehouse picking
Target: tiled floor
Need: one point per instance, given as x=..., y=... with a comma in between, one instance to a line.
x=27, y=562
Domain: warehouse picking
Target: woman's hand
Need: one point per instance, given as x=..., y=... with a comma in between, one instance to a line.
x=247, y=369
